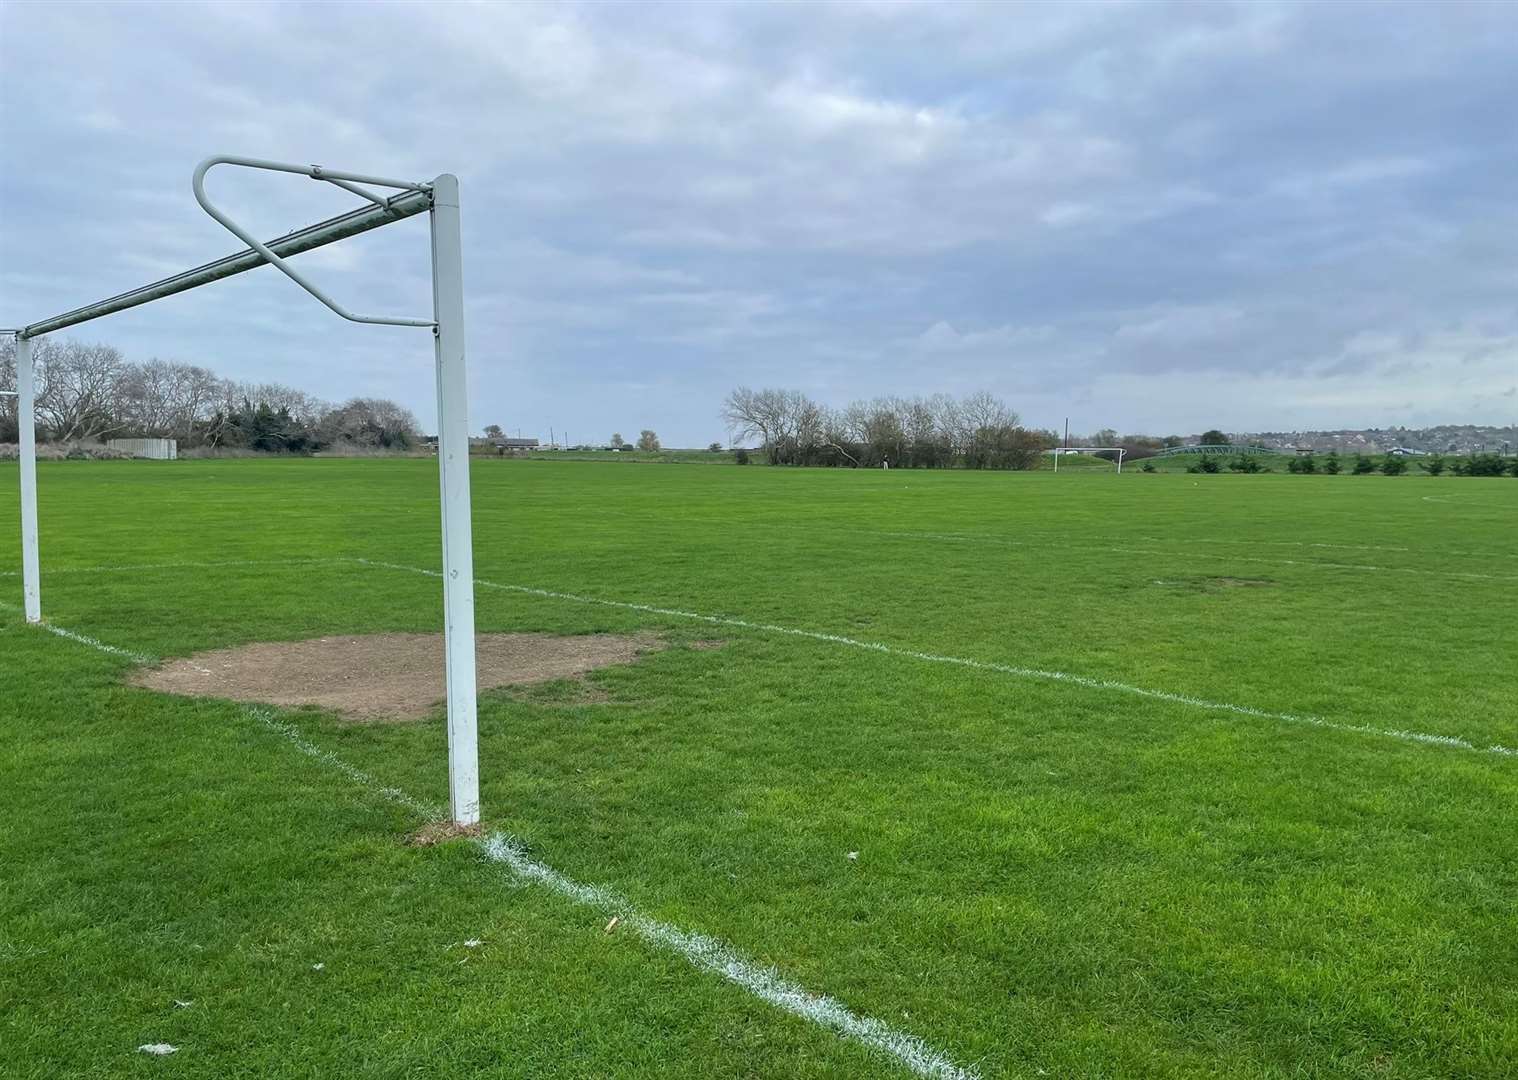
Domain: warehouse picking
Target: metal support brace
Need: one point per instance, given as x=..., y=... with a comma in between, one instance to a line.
x=345, y=180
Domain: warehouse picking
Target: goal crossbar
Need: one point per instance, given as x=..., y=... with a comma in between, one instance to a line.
x=439, y=198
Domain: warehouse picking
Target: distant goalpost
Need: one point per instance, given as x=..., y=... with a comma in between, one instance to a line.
x=439, y=199
x=1061, y=451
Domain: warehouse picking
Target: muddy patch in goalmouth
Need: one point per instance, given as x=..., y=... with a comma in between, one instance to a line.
x=384, y=676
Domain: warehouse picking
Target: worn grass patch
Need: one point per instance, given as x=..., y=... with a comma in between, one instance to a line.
x=383, y=676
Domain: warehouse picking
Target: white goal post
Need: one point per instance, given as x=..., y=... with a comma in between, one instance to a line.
x=439, y=198
x=1061, y=451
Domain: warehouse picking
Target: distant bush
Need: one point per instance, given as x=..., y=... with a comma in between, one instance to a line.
x=1245, y=463
x=1433, y=464
x=1363, y=465
x=1393, y=465
x=1332, y=464
x=740, y=456
x=1148, y=466
x=714, y=448
x=1480, y=465
x=1207, y=463
x=1304, y=463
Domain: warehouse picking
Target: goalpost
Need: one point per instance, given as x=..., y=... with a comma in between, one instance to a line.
x=1060, y=451
x=439, y=198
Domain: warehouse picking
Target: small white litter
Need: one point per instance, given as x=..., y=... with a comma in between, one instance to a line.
x=853, y=856
x=182, y=1004
x=473, y=943
x=159, y=1049
x=317, y=967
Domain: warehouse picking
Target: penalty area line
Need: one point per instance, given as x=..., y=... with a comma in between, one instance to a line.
x=706, y=954
x=1086, y=681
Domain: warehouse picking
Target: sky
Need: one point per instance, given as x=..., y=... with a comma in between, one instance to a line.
x=1152, y=217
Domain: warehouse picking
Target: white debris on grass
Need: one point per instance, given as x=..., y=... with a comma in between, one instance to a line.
x=317, y=967
x=158, y=1049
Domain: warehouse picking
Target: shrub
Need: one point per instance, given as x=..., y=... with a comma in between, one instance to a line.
x=1394, y=465
x=1433, y=465
x=1207, y=463
x=1305, y=463
x=1480, y=465
x=740, y=456
x=1245, y=463
x=1148, y=466
x=1363, y=465
x=714, y=448
x=1332, y=464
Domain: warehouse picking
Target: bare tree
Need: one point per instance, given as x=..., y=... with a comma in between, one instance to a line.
x=77, y=386
x=374, y=422
x=648, y=440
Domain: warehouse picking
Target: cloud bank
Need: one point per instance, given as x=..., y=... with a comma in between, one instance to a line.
x=1141, y=216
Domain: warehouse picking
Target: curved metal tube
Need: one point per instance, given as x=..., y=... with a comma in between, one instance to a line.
x=316, y=172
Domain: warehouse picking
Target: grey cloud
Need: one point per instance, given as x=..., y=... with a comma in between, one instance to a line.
x=1131, y=207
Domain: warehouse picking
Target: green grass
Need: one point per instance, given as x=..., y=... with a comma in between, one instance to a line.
x=1052, y=879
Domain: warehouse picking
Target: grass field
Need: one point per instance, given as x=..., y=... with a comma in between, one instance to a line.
x=1268, y=832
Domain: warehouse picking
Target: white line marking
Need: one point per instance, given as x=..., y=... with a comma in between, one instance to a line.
x=701, y=952
x=713, y=956
x=1000, y=542
x=83, y=639
x=1452, y=741
x=119, y=569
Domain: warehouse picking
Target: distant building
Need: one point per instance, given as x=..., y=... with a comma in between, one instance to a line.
x=514, y=444
x=155, y=449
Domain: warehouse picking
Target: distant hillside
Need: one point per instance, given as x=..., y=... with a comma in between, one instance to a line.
x=1446, y=438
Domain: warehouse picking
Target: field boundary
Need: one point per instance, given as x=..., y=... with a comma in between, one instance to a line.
x=706, y=954
x=1427, y=738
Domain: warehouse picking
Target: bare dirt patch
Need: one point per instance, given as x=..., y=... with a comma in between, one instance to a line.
x=440, y=832
x=384, y=676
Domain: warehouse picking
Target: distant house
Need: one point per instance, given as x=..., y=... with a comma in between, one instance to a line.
x=514, y=444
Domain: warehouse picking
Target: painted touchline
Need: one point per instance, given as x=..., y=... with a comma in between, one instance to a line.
x=704, y=953
x=1453, y=741
x=116, y=569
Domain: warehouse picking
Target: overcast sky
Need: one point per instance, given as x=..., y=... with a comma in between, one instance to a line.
x=1146, y=216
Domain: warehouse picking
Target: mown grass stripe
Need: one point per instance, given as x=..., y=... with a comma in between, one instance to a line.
x=1452, y=741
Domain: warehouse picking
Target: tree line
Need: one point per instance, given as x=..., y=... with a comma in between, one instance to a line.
x=978, y=431
x=91, y=392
